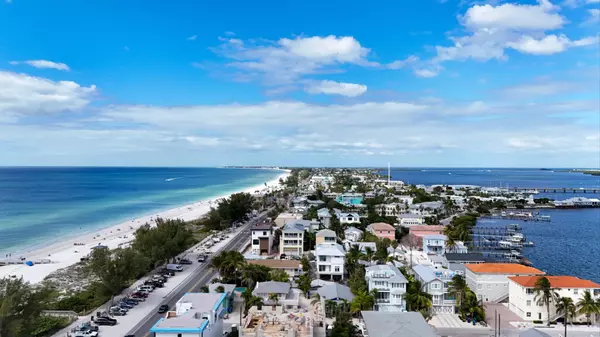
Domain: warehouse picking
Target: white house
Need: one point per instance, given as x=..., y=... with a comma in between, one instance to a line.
x=405, y=199
x=426, y=208
x=330, y=261
x=348, y=218
x=436, y=244
x=195, y=315
x=352, y=234
x=362, y=246
x=325, y=236
x=409, y=219
x=390, y=285
x=390, y=210
x=262, y=239
x=291, y=241
x=286, y=296
x=522, y=295
x=435, y=283
x=489, y=281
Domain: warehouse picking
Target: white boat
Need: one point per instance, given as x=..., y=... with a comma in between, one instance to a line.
x=505, y=244
x=517, y=237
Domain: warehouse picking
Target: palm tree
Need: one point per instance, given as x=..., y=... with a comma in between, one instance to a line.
x=204, y=289
x=275, y=299
x=416, y=298
x=316, y=299
x=566, y=307
x=457, y=288
x=330, y=308
x=369, y=253
x=587, y=306
x=545, y=294
x=363, y=300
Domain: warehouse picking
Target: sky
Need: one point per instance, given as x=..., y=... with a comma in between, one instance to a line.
x=314, y=83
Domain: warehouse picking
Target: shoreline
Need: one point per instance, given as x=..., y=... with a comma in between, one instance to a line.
x=65, y=253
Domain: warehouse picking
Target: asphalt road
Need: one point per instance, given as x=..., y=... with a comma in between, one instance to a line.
x=202, y=276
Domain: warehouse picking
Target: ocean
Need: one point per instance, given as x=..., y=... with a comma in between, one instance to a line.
x=568, y=245
x=42, y=205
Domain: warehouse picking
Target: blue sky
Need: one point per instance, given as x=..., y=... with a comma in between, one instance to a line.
x=323, y=83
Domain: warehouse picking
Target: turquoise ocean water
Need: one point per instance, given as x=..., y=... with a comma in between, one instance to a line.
x=43, y=205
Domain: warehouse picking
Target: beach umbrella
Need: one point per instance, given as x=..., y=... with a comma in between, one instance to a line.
x=29, y=263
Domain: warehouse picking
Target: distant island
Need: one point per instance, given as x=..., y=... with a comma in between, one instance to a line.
x=584, y=171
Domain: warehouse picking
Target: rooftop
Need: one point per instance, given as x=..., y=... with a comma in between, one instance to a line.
x=426, y=228
x=326, y=232
x=556, y=282
x=381, y=269
x=382, y=226
x=330, y=249
x=335, y=291
x=189, y=313
x=278, y=264
x=502, y=268
x=393, y=324
x=271, y=287
x=262, y=226
x=353, y=230
x=475, y=257
x=435, y=237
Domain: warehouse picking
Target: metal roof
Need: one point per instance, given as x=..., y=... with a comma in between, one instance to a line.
x=394, y=324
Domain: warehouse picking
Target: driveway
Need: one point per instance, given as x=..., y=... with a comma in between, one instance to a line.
x=506, y=316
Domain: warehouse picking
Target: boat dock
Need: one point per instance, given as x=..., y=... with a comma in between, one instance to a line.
x=535, y=190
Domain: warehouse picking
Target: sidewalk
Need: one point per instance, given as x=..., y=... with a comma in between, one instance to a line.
x=140, y=311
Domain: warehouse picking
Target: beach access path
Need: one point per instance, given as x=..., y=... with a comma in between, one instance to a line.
x=69, y=250
x=142, y=317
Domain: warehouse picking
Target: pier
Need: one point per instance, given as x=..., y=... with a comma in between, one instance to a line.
x=592, y=190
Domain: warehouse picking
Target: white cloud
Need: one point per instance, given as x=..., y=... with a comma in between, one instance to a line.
x=192, y=38
x=490, y=30
x=398, y=64
x=43, y=64
x=427, y=73
x=514, y=16
x=337, y=88
x=594, y=16
x=23, y=94
x=541, y=88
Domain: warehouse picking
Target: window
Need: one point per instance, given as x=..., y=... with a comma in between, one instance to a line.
x=479, y=286
x=337, y=268
x=322, y=258
x=528, y=304
x=575, y=291
x=489, y=286
x=539, y=315
x=264, y=233
x=255, y=242
x=528, y=314
x=529, y=291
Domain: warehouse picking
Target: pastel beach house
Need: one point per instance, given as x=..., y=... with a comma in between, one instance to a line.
x=522, y=295
x=330, y=261
x=390, y=285
x=195, y=315
x=292, y=240
x=325, y=236
x=435, y=282
x=382, y=230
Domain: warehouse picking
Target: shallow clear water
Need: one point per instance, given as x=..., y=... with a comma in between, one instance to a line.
x=42, y=205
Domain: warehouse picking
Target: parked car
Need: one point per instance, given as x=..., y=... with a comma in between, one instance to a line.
x=174, y=267
x=185, y=262
x=139, y=295
x=163, y=308
x=159, y=277
x=201, y=258
x=87, y=333
x=148, y=289
x=124, y=305
x=105, y=322
x=166, y=272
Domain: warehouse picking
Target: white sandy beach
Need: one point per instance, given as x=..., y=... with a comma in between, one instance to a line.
x=66, y=253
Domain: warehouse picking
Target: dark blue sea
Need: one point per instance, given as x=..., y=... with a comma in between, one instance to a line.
x=568, y=245
x=42, y=205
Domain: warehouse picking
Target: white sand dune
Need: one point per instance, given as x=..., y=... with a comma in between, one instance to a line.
x=66, y=253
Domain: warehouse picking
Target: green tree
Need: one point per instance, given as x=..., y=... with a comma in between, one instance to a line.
x=229, y=264
x=164, y=242
x=458, y=288
x=305, y=264
x=587, y=306
x=279, y=275
x=363, y=300
x=116, y=269
x=357, y=282
x=566, y=307
x=204, y=289
x=416, y=298
x=304, y=283
x=545, y=294
x=343, y=326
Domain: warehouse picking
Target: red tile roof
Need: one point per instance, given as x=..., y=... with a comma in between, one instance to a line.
x=503, y=268
x=555, y=281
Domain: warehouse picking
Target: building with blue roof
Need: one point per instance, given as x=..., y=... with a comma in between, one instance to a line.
x=195, y=314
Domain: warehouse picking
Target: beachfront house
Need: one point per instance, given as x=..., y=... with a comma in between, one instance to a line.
x=352, y=234
x=262, y=239
x=277, y=293
x=348, y=218
x=522, y=295
x=330, y=261
x=291, y=242
x=195, y=314
x=382, y=230
x=437, y=244
x=489, y=281
x=390, y=285
x=435, y=282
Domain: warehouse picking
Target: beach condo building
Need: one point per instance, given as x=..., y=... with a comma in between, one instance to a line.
x=395, y=324
x=435, y=283
x=349, y=199
x=489, y=281
x=409, y=219
x=382, y=230
x=291, y=242
x=522, y=295
x=330, y=261
x=436, y=244
x=325, y=236
x=324, y=216
x=262, y=239
x=195, y=314
x=390, y=285
x=352, y=234
x=292, y=267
